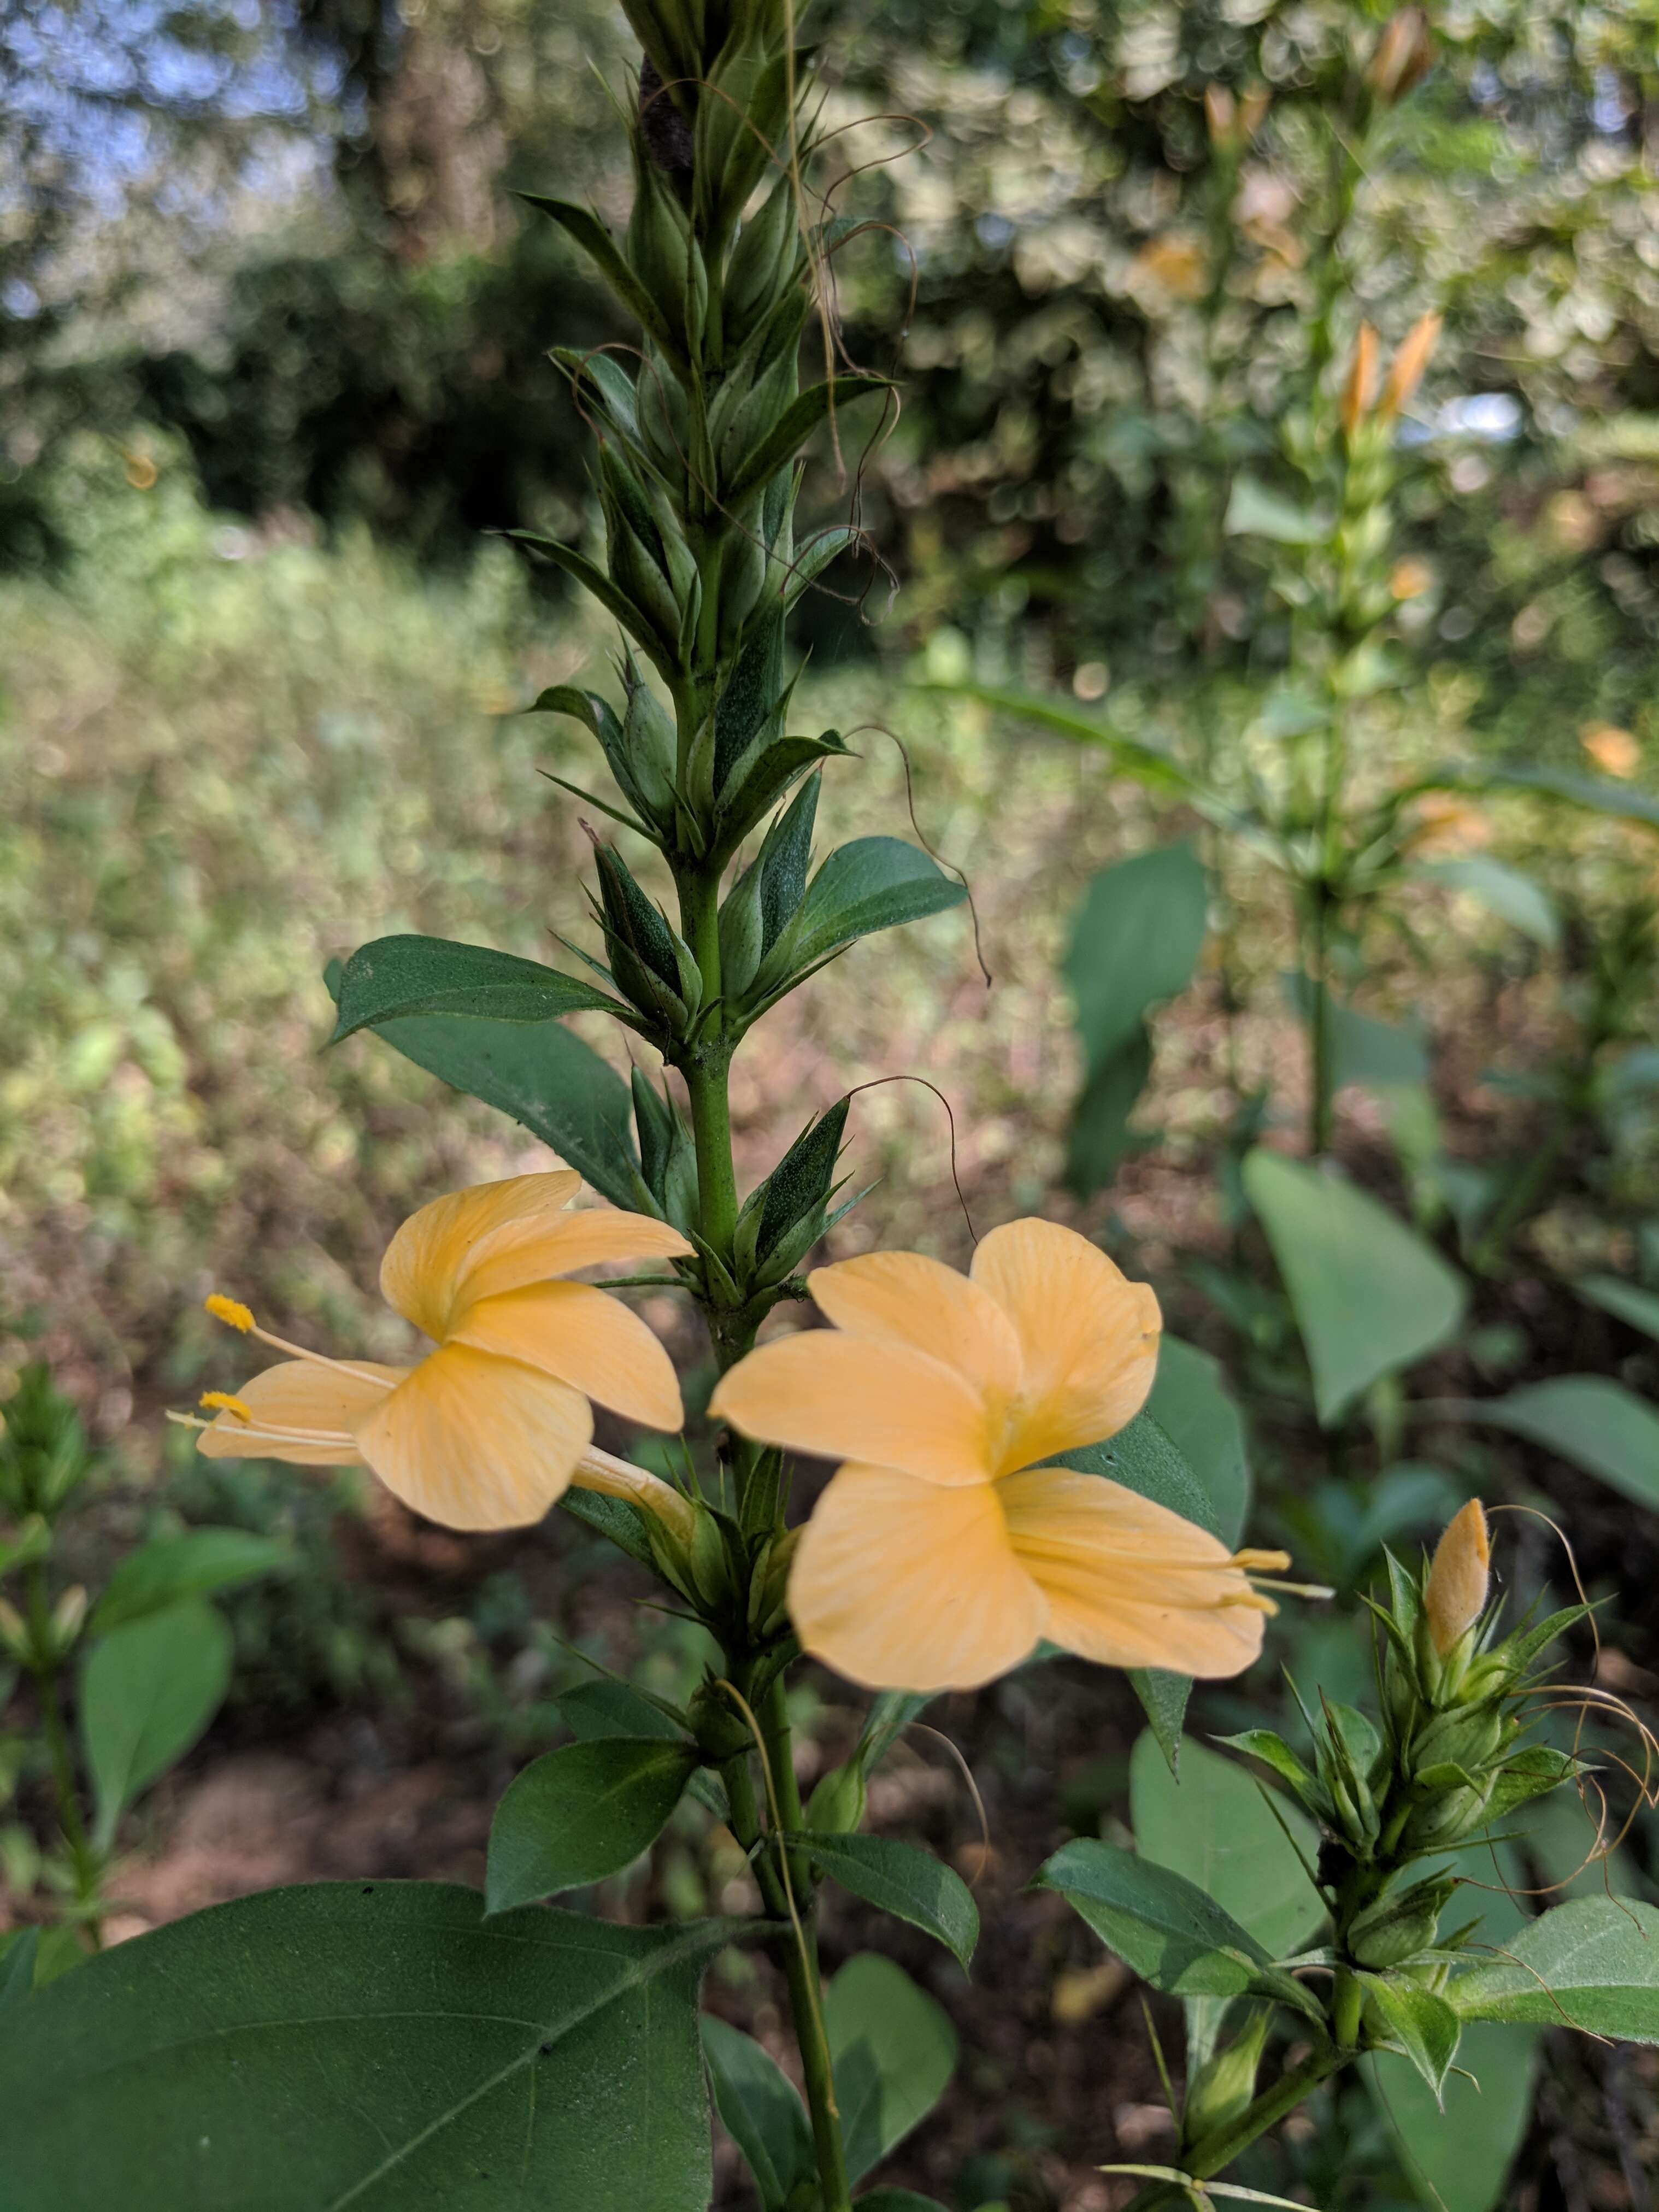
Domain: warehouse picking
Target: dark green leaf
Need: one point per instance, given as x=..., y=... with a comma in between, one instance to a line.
x=1135, y=943
x=1163, y=1699
x=1158, y=1923
x=1616, y=798
x=615, y=602
x=894, y=2051
x=396, y=977
x=598, y=1710
x=801, y=1182
x=1144, y=1459
x=377, y=2045
x=794, y=426
x=1376, y=1055
x=550, y=1082
x=1594, y=1424
x=874, y=883
x=775, y=770
x=1594, y=1963
x=1191, y=1403
x=18, y=1948
x=148, y=1691
x=1213, y=1825
x=1369, y=1295
x=1276, y=1755
x=576, y=1815
x=191, y=1564
x=1630, y=1304
x=763, y=2111
x=1512, y=897
x=1461, y=2158
x=590, y=234
x=1423, y=2026
x=1100, y=1136
x=903, y=1880
x=614, y=1518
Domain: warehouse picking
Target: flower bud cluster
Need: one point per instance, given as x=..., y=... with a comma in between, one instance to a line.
x=1450, y=1757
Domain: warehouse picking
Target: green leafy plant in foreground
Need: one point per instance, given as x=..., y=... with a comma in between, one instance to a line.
x=116, y=1687
x=1374, y=1828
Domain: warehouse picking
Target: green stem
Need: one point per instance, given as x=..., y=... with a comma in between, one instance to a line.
x=1221, y=2147
x=1521, y=1200
x=1319, y=1021
x=1346, y=2003
x=801, y=1971
x=86, y=1860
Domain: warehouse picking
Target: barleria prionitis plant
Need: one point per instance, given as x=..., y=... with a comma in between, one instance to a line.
x=1394, y=1824
x=1001, y=1493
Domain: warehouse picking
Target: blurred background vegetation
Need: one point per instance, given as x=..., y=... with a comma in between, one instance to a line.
x=273, y=339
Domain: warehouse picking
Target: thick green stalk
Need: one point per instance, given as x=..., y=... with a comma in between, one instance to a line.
x=1318, y=1020
x=788, y=1900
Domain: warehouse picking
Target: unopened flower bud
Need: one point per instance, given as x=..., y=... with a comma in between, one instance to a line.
x=1406, y=370
x=1223, y=2086
x=1396, y=1928
x=1360, y=388
x=1221, y=115
x=68, y=1614
x=835, y=1807
x=768, y=1590
x=1454, y=1596
x=1404, y=55
x=721, y=1731
x=14, y=1636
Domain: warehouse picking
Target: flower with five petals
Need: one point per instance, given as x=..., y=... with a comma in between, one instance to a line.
x=948, y=1545
x=492, y=1426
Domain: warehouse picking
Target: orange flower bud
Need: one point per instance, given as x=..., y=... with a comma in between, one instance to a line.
x=1361, y=386
x=1613, y=751
x=1404, y=55
x=1405, y=373
x=1252, y=113
x=1455, y=1595
x=1409, y=579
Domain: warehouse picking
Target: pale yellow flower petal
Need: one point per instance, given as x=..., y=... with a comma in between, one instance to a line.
x=906, y=1585
x=909, y=1299
x=427, y=1261
x=477, y=1442
x=298, y=1397
x=1129, y=1582
x=568, y=1242
x=585, y=1337
x=850, y=1397
x=1088, y=1337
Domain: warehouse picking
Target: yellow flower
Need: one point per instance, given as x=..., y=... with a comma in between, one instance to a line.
x=1613, y=751
x=491, y=1427
x=1455, y=1596
x=943, y=1550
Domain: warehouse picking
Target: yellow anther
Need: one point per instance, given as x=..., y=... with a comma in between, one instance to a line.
x=222, y=1401
x=1266, y=1562
x=227, y=1309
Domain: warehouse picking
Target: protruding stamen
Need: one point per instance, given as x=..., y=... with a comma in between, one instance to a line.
x=241, y=1316
x=222, y=1401
x=1268, y=1562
